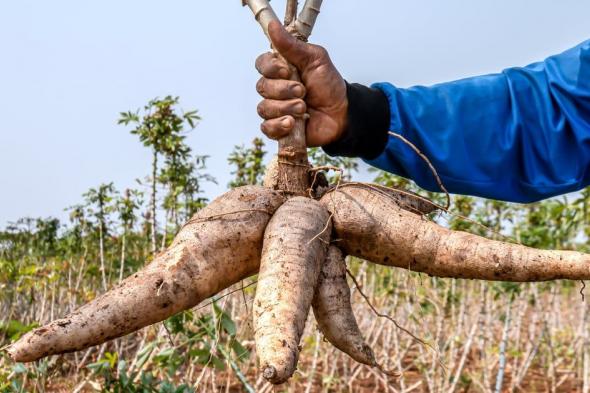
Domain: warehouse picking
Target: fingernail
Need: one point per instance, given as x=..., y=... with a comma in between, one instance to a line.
x=299, y=108
x=297, y=90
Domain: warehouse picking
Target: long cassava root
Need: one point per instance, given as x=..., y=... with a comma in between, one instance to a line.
x=217, y=249
x=372, y=226
x=333, y=311
x=295, y=245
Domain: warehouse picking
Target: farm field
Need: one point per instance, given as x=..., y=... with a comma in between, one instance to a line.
x=441, y=335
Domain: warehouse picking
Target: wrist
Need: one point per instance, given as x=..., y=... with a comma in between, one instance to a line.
x=363, y=125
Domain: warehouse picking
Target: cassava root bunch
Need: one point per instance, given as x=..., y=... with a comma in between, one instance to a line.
x=235, y=236
x=296, y=240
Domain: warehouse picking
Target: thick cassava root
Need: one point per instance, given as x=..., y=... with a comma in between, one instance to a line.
x=372, y=226
x=295, y=245
x=217, y=249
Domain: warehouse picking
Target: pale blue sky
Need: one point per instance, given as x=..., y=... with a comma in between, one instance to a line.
x=68, y=67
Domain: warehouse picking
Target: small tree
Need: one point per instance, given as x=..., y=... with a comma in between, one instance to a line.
x=99, y=203
x=161, y=129
x=126, y=207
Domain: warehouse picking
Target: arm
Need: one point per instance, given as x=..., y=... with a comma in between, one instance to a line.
x=521, y=135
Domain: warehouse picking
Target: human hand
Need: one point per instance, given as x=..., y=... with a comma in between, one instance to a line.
x=321, y=92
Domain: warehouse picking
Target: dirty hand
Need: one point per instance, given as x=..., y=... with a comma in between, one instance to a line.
x=322, y=94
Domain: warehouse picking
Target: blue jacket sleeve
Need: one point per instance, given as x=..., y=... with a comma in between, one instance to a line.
x=521, y=135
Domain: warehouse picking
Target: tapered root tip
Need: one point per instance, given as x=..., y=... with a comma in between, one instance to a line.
x=16, y=353
x=9, y=351
x=271, y=375
x=269, y=372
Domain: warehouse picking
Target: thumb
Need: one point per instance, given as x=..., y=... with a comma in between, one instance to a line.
x=294, y=51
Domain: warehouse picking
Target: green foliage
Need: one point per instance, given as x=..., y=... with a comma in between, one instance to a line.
x=127, y=206
x=160, y=127
x=348, y=166
x=248, y=164
x=13, y=330
x=99, y=203
x=48, y=267
x=120, y=377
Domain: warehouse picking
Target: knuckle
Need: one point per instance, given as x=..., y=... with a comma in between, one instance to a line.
x=322, y=52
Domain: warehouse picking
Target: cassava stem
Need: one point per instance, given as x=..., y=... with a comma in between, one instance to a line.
x=307, y=18
x=295, y=244
x=370, y=225
x=263, y=12
x=215, y=250
x=293, y=165
x=291, y=12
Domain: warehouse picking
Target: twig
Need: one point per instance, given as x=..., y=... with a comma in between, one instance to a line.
x=322, y=231
x=307, y=18
x=314, y=363
x=291, y=12
x=316, y=171
x=381, y=315
x=221, y=215
x=464, y=355
x=226, y=295
x=427, y=161
x=336, y=187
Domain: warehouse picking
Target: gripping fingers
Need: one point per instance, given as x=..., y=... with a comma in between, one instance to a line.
x=278, y=128
x=271, y=66
x=271, y=109
x=280, y=89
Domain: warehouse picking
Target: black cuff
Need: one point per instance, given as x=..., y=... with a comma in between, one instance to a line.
x=368, y=122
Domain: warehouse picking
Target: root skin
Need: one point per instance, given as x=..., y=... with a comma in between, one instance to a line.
x=407, y=200
x=295, y=245
x=333, y=310
x=271, y=176
x=371, y=226
x=206, y=256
